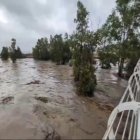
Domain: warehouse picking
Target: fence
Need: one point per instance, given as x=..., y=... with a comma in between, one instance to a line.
x=124, y=121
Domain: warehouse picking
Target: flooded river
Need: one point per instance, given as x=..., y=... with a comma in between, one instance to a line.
x=38, y=100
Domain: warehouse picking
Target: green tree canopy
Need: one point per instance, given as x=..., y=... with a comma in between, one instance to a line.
x=19, y=53
x=4, y=53
x=83, y=53
x=122, y=30
x=60, y=49
x=41, y=49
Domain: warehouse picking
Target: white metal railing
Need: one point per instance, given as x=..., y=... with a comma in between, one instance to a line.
x=124, y=121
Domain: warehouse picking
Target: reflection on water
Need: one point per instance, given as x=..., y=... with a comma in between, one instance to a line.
x=69, y=115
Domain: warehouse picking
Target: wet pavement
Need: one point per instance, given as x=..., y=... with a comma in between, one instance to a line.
x=38, y=100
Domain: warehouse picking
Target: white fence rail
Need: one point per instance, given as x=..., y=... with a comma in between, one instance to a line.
x=124, y=121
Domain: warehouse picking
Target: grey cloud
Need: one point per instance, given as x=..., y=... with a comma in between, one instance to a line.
x=29, y=20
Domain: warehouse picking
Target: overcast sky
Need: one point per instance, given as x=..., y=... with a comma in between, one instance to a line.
x=28, y=20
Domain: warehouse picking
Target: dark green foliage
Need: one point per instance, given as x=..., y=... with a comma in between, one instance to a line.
x=130, y=66
x=4, y=53
x=83, y=54
x=19, y=53
x=41, y=49
x=87, y=81
x=133, y=54
x=56, y=49
x=122, y=30
x=107, y=57
x=67, y=52
x=60, y=49
x=36, y=53
x=14, y=52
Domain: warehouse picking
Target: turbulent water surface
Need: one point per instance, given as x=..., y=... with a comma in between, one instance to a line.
x=38, y=100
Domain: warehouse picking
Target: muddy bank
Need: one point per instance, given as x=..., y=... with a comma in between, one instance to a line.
x=38, y=101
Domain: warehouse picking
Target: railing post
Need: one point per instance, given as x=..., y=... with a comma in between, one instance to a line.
x=138, y=125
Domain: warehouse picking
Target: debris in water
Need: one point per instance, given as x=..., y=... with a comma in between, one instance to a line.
x=33, y=67
x=45, y=113
x=7, y=100
x=52, y=135
x=42, y=99
x=34, y=82
x=72, y=120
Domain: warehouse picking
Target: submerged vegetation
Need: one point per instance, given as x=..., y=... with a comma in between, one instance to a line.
x=4, y=53
x=41, y=49
x=83, y=53
x=118, y=43
x=11, y=52
x=121, y=33
x=60, y=49
x=79, y=47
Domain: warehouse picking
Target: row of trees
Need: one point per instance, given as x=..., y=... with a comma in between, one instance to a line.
x=11, y=52
x=118, y=40
x=57, y=49
x=60, y=49
x=79, y=47
x=119, y=37
x=41, y=50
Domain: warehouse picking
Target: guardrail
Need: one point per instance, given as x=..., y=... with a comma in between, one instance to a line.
x=124, y=121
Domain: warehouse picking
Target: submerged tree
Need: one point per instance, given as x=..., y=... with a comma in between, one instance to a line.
x=4, y=53
x=107, y=56
x=41, y=49
x=83, y=53
x=19, y=53
x=56, y=48
x=107, y=51
x=13, y=50
x=122, y=28
x=67, y=49
x=60, y=49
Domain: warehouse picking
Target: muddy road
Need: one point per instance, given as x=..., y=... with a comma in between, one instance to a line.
x=38, y=100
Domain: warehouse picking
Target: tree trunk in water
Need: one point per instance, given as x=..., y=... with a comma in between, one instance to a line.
x=120, y=70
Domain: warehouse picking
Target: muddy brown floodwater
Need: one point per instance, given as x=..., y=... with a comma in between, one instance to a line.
x=38, y=100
